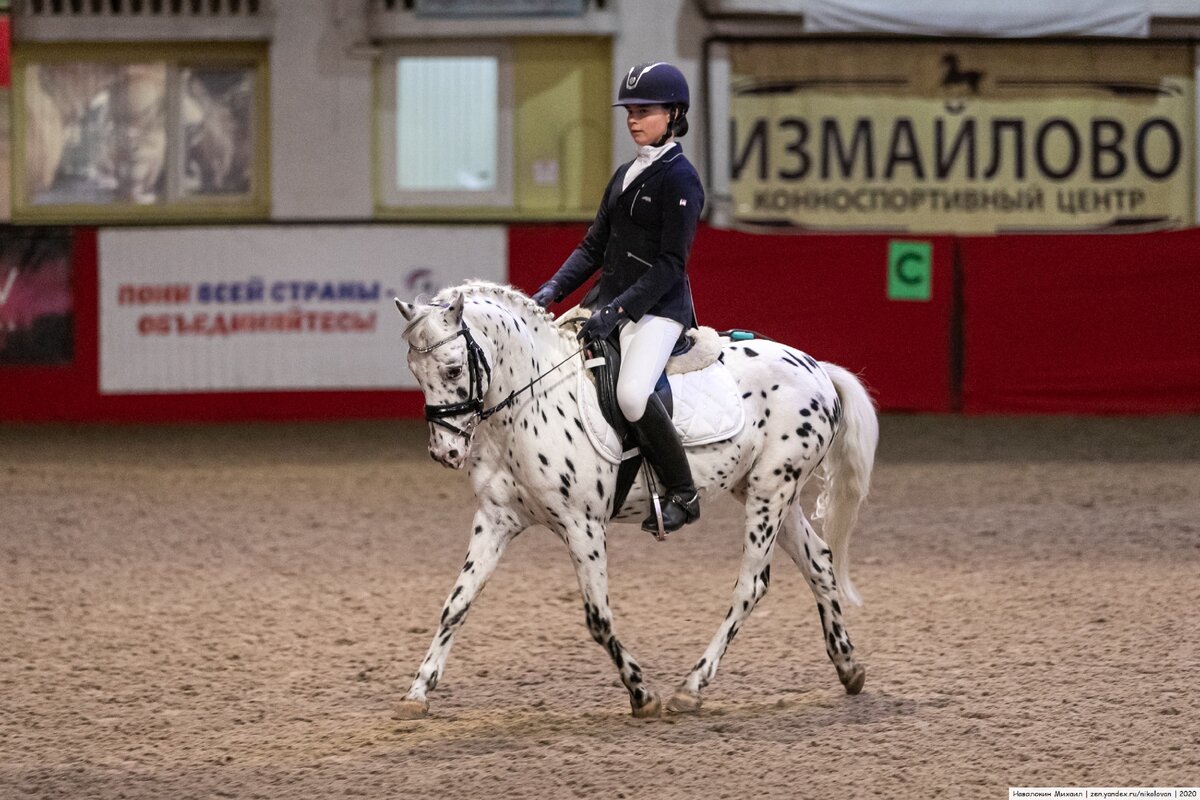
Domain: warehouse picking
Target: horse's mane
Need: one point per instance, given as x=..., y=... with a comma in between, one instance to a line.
x=511, y=296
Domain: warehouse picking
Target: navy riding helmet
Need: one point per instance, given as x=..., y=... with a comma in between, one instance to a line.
x=658, y=83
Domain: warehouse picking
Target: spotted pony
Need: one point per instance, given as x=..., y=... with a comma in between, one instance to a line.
x=477, y=352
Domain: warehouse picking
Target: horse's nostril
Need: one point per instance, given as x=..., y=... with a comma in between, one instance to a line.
x=453, y=454
x=433, y=455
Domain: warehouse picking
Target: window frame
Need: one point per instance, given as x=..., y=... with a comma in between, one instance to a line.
x=388, y=195
x=254, y=205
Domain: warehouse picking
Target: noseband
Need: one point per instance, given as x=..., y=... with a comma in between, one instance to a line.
x=477, y=367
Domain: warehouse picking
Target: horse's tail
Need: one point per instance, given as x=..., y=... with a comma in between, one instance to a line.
x=847, y=473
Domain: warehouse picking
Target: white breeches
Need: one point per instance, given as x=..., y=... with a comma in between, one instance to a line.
x=645, y=347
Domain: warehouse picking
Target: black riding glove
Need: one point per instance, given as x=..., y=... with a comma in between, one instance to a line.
x=546, y=295
x=600, y=324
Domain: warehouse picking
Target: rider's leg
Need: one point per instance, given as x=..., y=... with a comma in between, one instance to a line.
x=645, y=347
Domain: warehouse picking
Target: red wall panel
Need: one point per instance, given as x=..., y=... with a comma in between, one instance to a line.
x=1053, y=324
x=72, y=392
x=1084, y=324
x=826, y=295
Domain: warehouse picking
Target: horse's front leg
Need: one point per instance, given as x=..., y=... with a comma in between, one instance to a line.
x=815, y=560
x=764, y=516
x=586, y=542
x=493, y=529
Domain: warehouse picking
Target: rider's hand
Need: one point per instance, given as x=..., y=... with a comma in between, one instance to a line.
x=546, y=295
x=601, y=324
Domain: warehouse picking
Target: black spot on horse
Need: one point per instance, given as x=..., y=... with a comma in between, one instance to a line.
x=457, y=618
x=545, y=461
x=751, y=353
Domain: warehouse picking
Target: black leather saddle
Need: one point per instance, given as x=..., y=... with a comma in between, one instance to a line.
x=604, y=361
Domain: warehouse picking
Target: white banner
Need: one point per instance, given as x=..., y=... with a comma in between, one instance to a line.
x=273, y=307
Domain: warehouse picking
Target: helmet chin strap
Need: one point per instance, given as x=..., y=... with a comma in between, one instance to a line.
x=670, y=131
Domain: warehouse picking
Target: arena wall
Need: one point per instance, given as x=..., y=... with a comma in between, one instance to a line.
x=1013, y=324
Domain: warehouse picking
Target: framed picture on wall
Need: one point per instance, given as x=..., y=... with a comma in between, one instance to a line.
x=37, y=307
x=102, y=135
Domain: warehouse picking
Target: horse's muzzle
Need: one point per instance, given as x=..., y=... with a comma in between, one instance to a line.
x=450, y=453
x=453, y=459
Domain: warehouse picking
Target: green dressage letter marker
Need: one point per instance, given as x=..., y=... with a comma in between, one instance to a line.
x=910, y=271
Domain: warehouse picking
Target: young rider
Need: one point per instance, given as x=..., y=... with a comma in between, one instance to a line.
x=641, y=238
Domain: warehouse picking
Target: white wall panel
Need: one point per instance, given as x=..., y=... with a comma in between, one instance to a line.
x=265, y=308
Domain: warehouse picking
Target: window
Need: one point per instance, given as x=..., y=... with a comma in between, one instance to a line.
x=488, y=129
x=450, y=131
x=103, y=134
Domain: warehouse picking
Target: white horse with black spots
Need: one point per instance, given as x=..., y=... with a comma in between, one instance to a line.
x=476, y=350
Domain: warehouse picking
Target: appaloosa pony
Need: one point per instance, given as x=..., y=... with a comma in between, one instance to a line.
x=502, y=388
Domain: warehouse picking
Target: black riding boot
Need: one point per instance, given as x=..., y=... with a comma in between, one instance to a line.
x=661, y=447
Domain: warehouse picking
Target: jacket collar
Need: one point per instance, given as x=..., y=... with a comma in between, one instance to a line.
x=672, y=153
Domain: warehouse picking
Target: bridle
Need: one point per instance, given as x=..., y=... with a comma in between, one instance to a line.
x=477, y=367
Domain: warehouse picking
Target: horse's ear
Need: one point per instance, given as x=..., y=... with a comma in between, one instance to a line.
x=454, y=313
x=406, y=309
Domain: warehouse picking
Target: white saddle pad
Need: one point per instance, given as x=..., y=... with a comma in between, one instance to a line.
x=707, y=409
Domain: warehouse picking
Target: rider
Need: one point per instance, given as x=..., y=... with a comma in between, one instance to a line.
x=641, y=238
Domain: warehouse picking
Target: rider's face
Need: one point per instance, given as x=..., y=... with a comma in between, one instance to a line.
x=647, y=124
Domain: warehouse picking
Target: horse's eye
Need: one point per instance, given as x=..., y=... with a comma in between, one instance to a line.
x=453, y=372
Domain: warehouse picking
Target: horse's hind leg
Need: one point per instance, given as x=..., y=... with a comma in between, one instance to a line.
x=586, y=542
x=815, y=560
x=764, y=516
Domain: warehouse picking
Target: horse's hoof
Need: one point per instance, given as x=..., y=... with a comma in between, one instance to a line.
x=410, y=709
x=684, y=702
x=650, y=709
x=854, y=679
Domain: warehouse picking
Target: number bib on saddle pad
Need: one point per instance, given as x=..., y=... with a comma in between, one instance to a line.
x=707, y=403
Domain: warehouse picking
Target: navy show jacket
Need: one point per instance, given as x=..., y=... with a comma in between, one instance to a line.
x=641, y=238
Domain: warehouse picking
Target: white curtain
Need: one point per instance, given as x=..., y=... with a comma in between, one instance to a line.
x=1011, y=18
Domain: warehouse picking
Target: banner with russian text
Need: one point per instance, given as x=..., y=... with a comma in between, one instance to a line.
x=268, y=308
x=967, y=137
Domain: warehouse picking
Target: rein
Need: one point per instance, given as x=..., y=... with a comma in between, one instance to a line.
x=476, y=360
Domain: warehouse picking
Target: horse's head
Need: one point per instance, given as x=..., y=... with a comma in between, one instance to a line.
x=453, y=373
